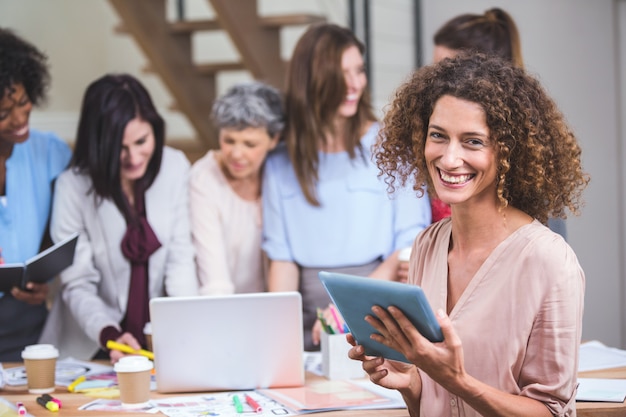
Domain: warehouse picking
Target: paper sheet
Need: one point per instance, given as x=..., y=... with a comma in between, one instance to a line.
x=213, y=404
x=599, y=389
x=67, y=370
x=596, y=356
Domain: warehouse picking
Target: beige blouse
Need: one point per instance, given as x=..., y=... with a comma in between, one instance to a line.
x=226, y=232
x=520, y=317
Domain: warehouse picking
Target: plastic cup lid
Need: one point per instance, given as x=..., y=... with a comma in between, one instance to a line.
x=40, y=352
x=133, y=364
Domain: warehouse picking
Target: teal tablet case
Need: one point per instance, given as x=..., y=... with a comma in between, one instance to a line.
x=354, y=297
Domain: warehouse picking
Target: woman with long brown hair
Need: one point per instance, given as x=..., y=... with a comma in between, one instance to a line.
x=324, y=205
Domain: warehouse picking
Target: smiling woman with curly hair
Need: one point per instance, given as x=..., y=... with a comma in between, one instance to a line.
x=486, y=139
x=30, y=160
x=538, y=157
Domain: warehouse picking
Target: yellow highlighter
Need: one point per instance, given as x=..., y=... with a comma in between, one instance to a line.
x=113, y=345
x=76, y=382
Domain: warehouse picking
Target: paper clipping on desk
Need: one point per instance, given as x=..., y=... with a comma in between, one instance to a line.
x=8, y=409
x=213, y=404
x=313, y=362
x=67, y=370
x=601, y=389
x=329, y=395
x=595, y=356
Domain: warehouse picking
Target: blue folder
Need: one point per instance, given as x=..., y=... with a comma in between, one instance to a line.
x=354, y=297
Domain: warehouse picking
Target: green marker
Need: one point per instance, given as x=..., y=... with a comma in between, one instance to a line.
x=325, y=325
x=238, y=405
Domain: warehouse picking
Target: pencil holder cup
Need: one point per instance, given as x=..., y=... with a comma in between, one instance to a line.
x=335, y=361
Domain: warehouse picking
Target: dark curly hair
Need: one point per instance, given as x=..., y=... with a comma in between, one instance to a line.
x=538, y=157
x=22, y=63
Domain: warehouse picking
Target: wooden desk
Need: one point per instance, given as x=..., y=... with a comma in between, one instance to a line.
x=71, y=402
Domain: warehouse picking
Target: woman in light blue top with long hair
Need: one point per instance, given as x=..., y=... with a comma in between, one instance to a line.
x=324, y=205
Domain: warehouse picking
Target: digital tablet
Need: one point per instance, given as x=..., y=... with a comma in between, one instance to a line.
x=354, y=297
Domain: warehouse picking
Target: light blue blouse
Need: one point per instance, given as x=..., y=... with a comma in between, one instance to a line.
x=357, y=222
x=32, y=167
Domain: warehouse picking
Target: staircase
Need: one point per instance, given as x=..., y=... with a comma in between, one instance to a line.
x=168, y=47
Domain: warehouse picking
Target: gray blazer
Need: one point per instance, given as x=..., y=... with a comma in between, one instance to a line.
x=94, y=290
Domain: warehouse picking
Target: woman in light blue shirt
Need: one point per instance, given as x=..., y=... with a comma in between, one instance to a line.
x=30, y=160
x=324, y=206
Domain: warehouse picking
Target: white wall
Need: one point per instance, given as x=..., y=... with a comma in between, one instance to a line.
x=621, y=105
x=393, y=54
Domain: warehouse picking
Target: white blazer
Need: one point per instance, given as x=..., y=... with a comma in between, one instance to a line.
x=94, y=290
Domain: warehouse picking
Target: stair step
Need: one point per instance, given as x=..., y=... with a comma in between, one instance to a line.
x=190, y=26
x=290, y=20
x=215, y=67
x=278, y=21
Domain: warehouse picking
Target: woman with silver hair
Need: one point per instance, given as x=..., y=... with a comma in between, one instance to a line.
x=225, y=190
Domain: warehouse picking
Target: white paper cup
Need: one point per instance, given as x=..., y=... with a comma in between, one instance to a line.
x=133, y=378
x=40, y=363
x=405, y=254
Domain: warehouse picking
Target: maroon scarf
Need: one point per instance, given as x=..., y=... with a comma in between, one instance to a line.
x=138, y=244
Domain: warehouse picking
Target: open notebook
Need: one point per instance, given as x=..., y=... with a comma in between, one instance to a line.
x=241, y=341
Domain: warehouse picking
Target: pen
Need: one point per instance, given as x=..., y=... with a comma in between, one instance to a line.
x=71, y=387
x=255, y=405
x=322, y=320
x=336, y=318
x=113, y=345
x=49, y=405
x=21, y=410
x=237, y=403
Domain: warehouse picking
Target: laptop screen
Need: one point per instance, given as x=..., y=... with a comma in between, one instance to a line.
x=233, y=342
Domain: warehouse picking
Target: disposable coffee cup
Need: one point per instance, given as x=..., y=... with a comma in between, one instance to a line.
x=404, y=255
x=40, y=363
x=133, y=378
x=403, y=258
x=147, y=332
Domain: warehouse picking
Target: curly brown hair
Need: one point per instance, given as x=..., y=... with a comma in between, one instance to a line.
x=22, y=63
x=538, y=156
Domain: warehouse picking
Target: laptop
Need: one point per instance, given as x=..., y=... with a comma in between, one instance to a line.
x=233, y=342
